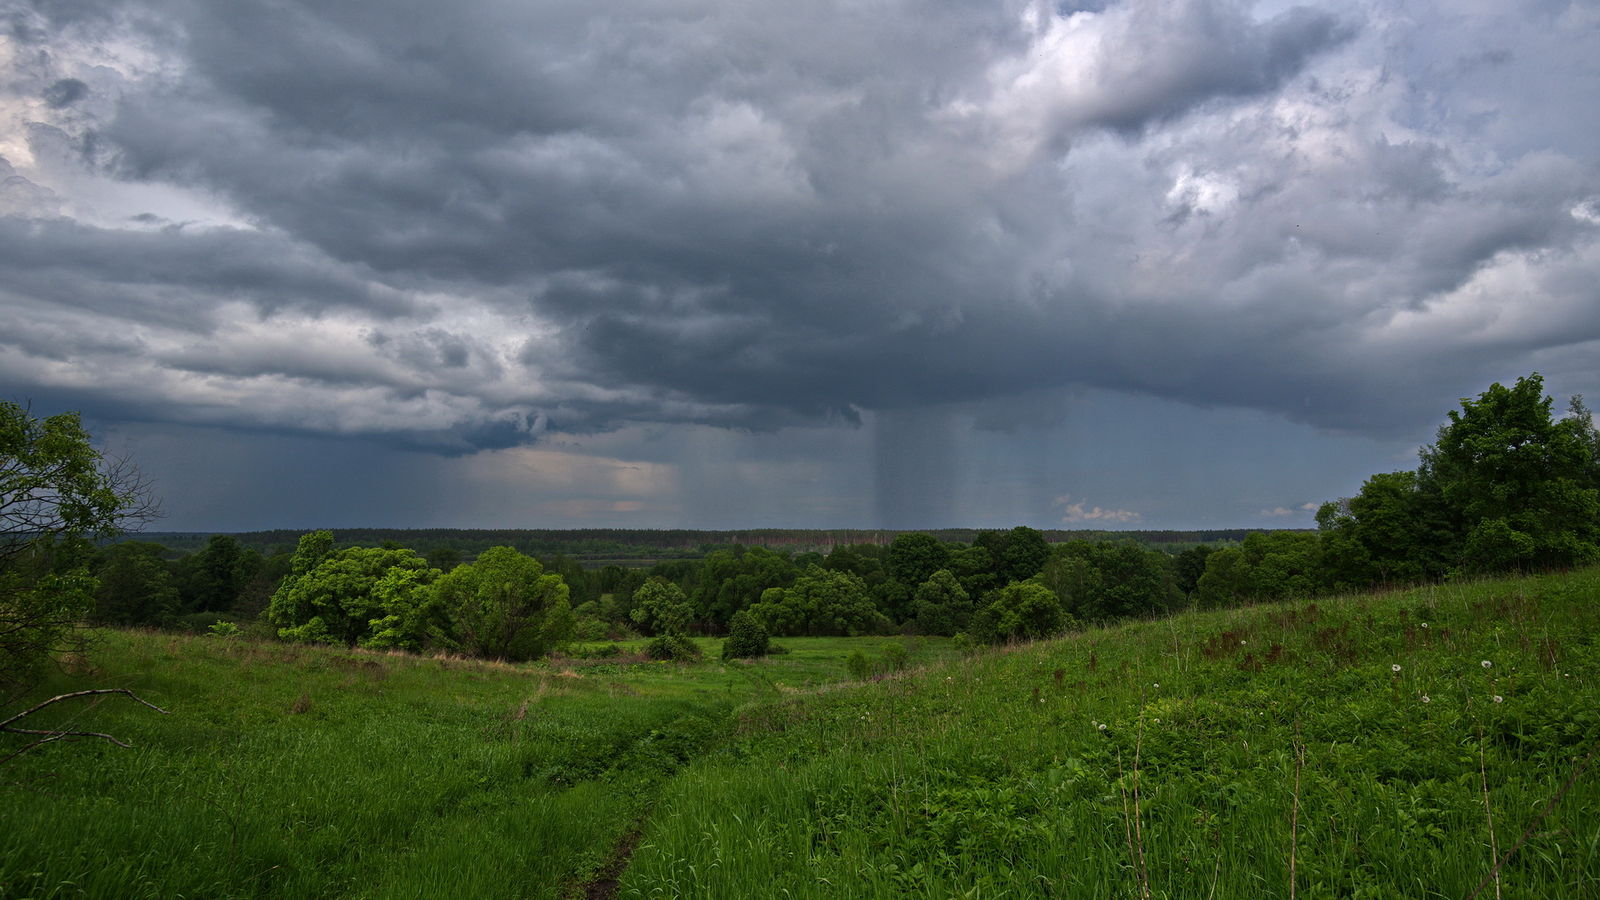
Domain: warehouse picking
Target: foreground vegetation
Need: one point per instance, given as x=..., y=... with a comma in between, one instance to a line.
x=1267, y=751
x=1380, y=746
x=305, y=771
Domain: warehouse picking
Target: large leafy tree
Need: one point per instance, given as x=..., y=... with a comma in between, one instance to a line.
x=661, y=607
x=1020, y=611
x=505, y=606
x=914, y=557
x=136, y=586
x=215, y=576
x=942, y=605
x=57, y=493
x=1105, y=580
x=1515, y=484
x=821, y=602
x=1266, y=566
x=340, y=596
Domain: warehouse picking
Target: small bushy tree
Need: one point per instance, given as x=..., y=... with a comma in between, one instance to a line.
x=942, y=605
x=747, y=639
x=57, y=493
x=661, y=607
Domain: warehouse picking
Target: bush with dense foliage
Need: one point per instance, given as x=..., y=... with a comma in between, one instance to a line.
x=746, y=638
x=503, y=605
x=672, y=647
x=1020, y=611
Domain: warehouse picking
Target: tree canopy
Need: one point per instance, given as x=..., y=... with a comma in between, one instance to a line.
x=57, y=493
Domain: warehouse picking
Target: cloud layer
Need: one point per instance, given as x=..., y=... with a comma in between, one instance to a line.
x=465, y=228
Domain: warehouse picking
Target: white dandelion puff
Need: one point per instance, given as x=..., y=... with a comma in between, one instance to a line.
x=1499, y=699
x=1486, y=664
x=1426, y=699
x=1395, y=667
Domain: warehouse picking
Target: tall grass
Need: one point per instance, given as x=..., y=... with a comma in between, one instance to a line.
x=293, y=771
x=1271, y=751
x=1354, y=747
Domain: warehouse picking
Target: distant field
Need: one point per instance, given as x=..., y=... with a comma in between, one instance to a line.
x=1274, y=751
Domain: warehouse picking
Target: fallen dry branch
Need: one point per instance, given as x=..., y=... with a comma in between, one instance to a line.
x=9, y=726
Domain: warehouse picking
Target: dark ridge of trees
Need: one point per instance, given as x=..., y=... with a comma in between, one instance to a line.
x=453, y=545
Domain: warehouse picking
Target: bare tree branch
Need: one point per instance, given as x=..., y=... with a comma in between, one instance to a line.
x=56, y=734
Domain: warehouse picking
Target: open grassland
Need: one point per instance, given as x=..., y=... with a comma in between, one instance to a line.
x=297, y=771
x=1385, y=746
x=1274, y=751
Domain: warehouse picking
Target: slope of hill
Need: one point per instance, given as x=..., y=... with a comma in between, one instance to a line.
x=1369, y=746
x=1395, y=745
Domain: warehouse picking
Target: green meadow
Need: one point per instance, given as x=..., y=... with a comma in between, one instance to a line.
x=1393, y=745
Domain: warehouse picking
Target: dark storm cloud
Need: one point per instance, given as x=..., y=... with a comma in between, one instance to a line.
x=65, y=92
x=468, y=226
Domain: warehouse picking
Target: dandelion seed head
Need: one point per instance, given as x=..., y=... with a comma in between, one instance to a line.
x=1426, y=699
x=1424, y=624
x=1395, y=667
x=1486, y=664
x=1102, y=726
x=1499, y=699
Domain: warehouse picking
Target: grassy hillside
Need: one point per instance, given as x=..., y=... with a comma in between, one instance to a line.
x=1236, y=746
x=296, y=771
x=1374, y=747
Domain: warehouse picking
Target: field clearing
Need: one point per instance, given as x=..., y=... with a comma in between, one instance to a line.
x=1272, y=751
x=300, y=771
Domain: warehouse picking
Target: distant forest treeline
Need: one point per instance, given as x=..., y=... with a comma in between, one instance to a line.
x=1506, y=487
x=617, y=544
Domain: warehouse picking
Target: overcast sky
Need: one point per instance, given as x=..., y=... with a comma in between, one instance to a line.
x=682, y=263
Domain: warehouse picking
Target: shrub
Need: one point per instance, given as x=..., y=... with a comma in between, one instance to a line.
x=673, y=647
x=746, y=638
x=859, y=665
x=897, y=657
x=224, y=629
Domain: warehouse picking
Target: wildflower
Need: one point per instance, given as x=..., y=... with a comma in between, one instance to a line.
x=1499, y=699
x=1102, y=726
x=1158, y=684
x=1425, y=699
x=1486, y=664
x=1242, y=640
x=1158, y=721
x=1395, y=667
x=1424, y=624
